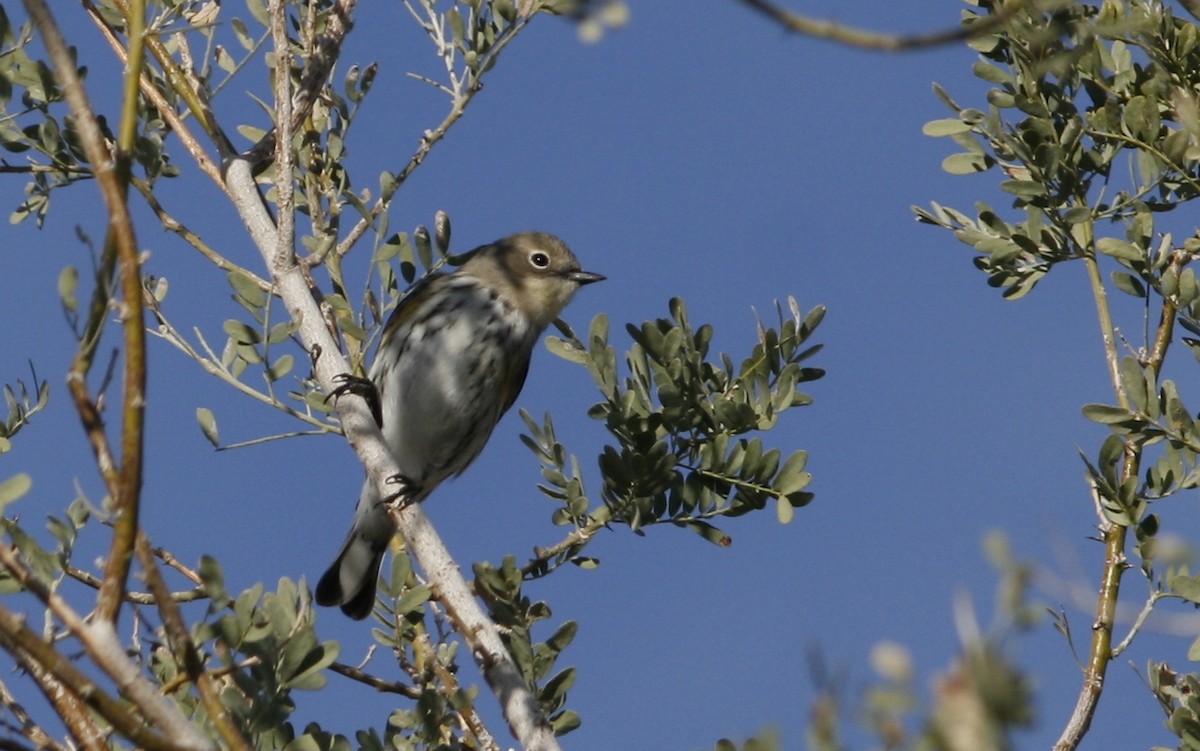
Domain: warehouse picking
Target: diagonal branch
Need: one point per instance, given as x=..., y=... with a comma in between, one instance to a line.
x=100, y=641
x=185, y=649
x=165, y=110
x=520, y=706
x=883, y=42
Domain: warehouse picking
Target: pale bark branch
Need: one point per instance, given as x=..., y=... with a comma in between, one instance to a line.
x=520, y=706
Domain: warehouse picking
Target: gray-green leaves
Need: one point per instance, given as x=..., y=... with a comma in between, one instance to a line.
x=680, y=419
x=20, y=405
x=1078, y=121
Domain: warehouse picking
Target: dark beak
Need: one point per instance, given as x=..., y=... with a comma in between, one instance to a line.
x=585, y=277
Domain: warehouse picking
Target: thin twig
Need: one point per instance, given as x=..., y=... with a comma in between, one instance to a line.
x=212, y=365
x=186, y=651
x=1113, y=535
x=138, y=598
x=375, y=682
x=463, y=93
x=171, y=224
x=883, y=42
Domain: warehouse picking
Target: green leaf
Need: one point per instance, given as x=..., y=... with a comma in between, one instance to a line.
x=281, y=331
x=710, y=533
x=792, y=478
x=424, y=246
x=241, y=332
x=311, y=677
x=1187, y=587
x=441, y=232
x=784, y=510
x=945, y=127
x=1129, y=284
x=14, y=487
x=565, y=722
x=966, y=163
x=281, y=367
x=1111, y=246
x=991, y=73
x=251, y=133
x=1193, y=652
x=1173, y=408
x=68, y=282
x=566, y=350
x=1134, y=379
x=413, y=599
x=1027, y=188
x=208, y=425
x=1106, y=414
x=563, y=636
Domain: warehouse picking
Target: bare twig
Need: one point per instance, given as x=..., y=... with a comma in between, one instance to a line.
x=138, y=598
x=883, y=42
x=462, y=90
x=375, y=682
x=171, y=224
x=211, y=364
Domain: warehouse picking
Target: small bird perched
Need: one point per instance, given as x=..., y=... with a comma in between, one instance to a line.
x=452, y=359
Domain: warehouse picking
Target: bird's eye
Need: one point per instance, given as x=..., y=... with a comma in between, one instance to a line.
x=539, y=259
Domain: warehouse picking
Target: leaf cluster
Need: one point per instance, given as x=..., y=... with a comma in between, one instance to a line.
x=679, y=418
x=34, y=124
x=262, y=646
x=1179, y=696
x=1069, y=103
x=267, y=646
x=20, y=405
x=1092, y=119
x=682, y=419
x=517, y=614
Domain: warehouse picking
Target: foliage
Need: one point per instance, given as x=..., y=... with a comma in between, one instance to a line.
x=676, y=418
x=197, y=665
x=1092, y=120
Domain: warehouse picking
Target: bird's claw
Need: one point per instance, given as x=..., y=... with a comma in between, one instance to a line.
x=406, y=489
x=360, y=387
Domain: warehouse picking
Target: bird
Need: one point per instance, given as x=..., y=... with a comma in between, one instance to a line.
x=452, y=359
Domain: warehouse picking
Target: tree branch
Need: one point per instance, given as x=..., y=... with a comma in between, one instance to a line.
x=520, y=706
x=124, y=482
x=99, y=640
x=1113, y=535
x=883, y=42
x=186, y=652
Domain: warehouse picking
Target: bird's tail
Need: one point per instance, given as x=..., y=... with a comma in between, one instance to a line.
x=350, y=581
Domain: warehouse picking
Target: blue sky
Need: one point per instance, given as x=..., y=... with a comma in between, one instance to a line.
x=699, y=153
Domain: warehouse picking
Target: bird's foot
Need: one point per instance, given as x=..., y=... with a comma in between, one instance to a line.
x=406, y=490
x=360, y=387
